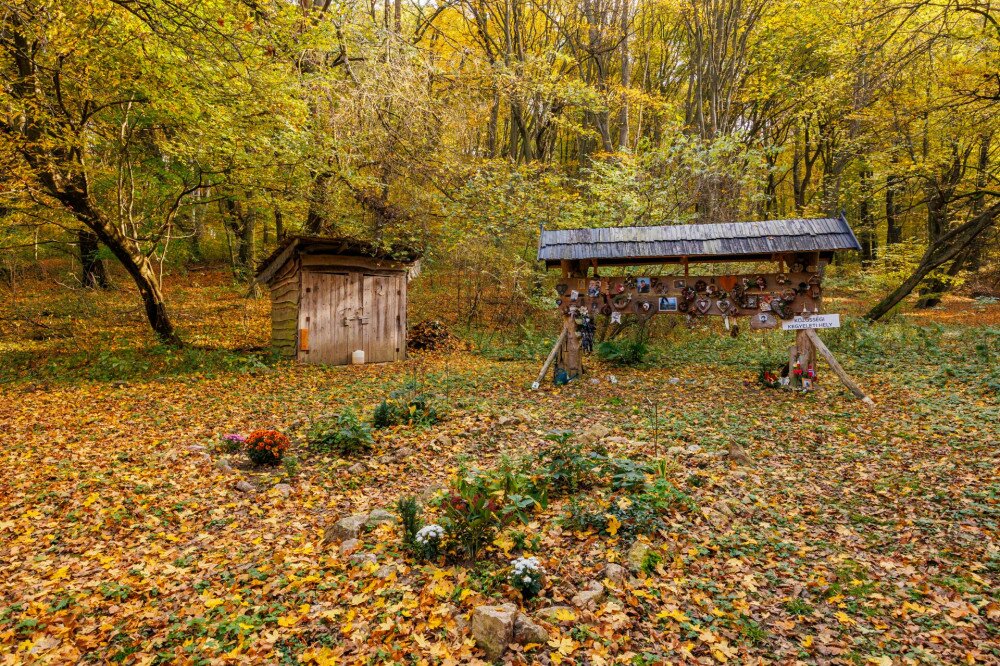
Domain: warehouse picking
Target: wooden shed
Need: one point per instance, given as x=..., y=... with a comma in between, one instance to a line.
x=331, y=297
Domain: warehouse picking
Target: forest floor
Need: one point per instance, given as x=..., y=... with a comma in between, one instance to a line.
x=854, y=535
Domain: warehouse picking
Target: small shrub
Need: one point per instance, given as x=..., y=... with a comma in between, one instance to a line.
x=427, y=541
x=650, y=561
x=384, y=415
x=569, y=467
x=631, y=352
x=628, y=475
x=526, y=576
x=344, y=434
x=409, y=518
x=266, y=447
x=402, y=409
x=477, y=507
x=291, y=466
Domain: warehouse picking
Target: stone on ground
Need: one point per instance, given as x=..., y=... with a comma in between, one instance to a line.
x=345, y=528
x=593, y=594
x=493, y=628
x=527, y=632
x=379, y=517
x=616, y=573
x=245, y=487
x=637, y=555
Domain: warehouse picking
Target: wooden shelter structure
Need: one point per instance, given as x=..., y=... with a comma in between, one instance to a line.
x=799, y=248
x=332, y=297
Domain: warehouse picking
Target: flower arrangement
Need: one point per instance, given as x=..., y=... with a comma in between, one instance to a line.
x=266, y=447
x=233, y=442
x=428, y=540
x=526, y=576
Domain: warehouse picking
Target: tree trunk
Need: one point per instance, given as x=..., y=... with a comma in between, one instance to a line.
x=316, y=217
x=869, y=235
x=944, y=249
x=93, y=272
x=893, y=227
x=135, y=263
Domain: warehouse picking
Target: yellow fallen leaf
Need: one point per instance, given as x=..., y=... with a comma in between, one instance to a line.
x=213, y=603
x=613, y=524
x=806, y=641
x=565, y=615
x=843, y=617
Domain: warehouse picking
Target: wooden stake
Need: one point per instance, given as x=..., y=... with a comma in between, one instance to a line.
x=836, y=367
x=552, y=356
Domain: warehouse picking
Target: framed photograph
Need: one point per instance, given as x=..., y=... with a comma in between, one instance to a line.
x=574, y=295
x=642, y=285
x=616, y=317
x=668, y=304
x=680, y=284
x=594, y=288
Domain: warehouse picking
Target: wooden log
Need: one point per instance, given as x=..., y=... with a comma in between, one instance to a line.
x=836, y=367
x=551, y=357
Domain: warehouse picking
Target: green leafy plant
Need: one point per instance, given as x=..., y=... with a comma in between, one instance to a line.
x=409, y=518
x=292, y=466
x=477, y=507
x=384, y=415
x=627, y=474
x=568, y=467
x=344, y=434
x=410, y=409
x=632, y=352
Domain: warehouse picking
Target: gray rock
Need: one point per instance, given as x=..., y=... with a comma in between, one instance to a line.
x=357, y=468
x=360, y=559
x=386, y=570
x=245, y=487
x=737, y=454
x=349, y=546
x=593, y=594
x=594, y=434
x=493, y=628
x=283, y=489
x=345, y=528
x=380, y=517
x=675, y=450
x=507, y=419
x=550, y=613
x=196, y=447
x=526, y=631
x=694, y=448
x=616, y=573
x=674, y=380
x=427, y=494
x=402, y=453
x=444, y=440
x=224, y=464
x=637, y=555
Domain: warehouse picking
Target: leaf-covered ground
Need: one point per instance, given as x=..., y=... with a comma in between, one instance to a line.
x=855, y=535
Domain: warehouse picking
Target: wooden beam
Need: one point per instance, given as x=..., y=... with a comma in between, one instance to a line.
x=551, y=357
x=836, y=367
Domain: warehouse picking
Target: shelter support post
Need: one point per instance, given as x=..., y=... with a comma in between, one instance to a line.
x=818, y=345
x=570, y=358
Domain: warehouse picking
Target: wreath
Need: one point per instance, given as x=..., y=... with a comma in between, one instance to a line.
x=621, y=301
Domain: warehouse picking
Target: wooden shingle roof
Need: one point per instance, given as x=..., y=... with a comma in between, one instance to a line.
x=292, y=245
x=728, y=241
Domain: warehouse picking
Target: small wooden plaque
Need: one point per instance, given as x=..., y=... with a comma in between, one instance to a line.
x=304, y=339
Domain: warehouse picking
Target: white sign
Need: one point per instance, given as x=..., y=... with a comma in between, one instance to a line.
x=813, y=321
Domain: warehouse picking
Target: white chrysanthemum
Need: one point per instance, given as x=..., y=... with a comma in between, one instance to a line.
x=429, y=533
x=527, y=579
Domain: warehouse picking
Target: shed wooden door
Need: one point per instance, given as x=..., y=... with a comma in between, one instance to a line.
x=341, y=312
x=385, y=305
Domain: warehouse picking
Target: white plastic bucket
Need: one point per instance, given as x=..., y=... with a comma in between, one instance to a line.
x=358, y=357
